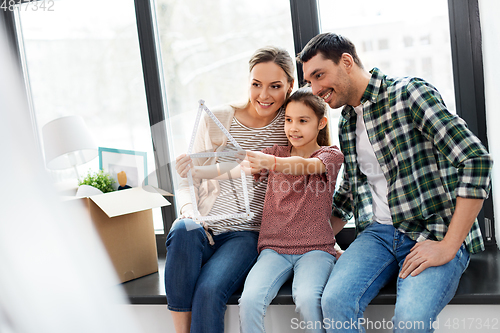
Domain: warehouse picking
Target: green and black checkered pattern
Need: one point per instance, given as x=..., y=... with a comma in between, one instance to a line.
x=428, y=156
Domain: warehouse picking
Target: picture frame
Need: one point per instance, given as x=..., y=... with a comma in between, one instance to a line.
x=132, y=162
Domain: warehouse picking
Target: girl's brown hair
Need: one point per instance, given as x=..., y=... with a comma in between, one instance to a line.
x=318, y=105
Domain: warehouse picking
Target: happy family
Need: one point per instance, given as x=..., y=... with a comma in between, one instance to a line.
x=414, y=179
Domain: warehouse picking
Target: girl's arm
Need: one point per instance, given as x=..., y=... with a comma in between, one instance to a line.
x=294, y=165
x=219, y=171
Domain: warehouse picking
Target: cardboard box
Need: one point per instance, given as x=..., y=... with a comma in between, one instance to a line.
x=124, y=221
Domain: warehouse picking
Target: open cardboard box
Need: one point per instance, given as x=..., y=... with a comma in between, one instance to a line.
x=124, y=221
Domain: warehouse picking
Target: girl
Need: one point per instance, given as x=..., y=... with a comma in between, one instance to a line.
x=206, y=265
x=296, y=236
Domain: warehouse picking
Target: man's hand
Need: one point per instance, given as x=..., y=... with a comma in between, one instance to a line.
x=426, y=254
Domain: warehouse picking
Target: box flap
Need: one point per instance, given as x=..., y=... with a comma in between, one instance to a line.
x=129, y=201
x=163, y=192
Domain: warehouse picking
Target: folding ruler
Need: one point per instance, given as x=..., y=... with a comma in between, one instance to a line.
x=197, y=216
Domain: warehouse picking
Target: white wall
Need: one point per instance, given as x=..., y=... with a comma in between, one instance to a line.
x=490, y=27
x=282, y=318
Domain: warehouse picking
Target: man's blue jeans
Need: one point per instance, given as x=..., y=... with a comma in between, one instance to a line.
x=310, y=272
x=200, y=277
x=369, y=263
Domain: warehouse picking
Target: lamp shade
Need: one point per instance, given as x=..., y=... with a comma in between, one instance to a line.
x=67, y=142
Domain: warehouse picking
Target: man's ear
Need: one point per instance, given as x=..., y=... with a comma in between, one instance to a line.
x=348, y=61
x=322, y=123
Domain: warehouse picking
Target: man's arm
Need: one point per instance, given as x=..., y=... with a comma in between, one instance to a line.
x=337, y=224
x=436, y=253
x=464, y=151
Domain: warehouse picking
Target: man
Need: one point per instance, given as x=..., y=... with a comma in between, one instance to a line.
x=414, y=178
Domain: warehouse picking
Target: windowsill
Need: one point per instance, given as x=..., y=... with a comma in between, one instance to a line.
x=480, y=284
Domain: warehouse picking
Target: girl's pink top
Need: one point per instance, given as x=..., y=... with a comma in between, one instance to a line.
x=297, y=209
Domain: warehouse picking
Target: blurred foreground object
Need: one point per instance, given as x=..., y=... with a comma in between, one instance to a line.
x=48, y=257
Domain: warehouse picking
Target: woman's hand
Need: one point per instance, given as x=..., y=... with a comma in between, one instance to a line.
x=186, y=214
x=183, y=164
x=256, y=161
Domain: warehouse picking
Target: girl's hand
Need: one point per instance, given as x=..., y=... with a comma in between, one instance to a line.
x=183, y=164
x=257, y=161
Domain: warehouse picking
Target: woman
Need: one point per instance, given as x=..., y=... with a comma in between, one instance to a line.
x=206, y=264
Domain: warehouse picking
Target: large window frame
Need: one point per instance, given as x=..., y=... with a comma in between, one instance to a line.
x=467, y=73
x=468, y=76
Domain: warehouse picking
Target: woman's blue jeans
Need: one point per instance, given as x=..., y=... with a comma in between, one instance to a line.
x=310, y=272
x=200, y=278
x=369, y=263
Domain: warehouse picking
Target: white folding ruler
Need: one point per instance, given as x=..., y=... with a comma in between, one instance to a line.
x=197, y=217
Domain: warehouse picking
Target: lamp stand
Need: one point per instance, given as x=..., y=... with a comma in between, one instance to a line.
x=77, y=174
x=73, y=162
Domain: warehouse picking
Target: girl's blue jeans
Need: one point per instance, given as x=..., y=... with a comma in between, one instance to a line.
x=200, y=278
x=369, y=263
x=310, y=272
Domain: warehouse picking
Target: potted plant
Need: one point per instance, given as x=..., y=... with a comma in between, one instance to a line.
x=100, y=180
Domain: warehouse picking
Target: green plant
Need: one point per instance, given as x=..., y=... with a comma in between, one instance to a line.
x=100, y=180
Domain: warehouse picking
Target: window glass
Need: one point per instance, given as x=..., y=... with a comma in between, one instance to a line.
x=84, y=59
x=401, y=38
x=490, y=26
x=205, y=48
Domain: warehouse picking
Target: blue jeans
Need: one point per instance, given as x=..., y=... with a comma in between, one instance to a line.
x=311, y=271
x=200, y=278
x=369, y=263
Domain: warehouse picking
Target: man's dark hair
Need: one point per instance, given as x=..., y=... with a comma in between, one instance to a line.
x=331, y=46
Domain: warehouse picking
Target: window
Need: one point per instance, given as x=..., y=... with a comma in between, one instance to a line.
x=408, y=41
x=489, y=28
x=83, y=61
x=205, y=47
x=367, y=46
x=383, y=44
x=406, y=32
x=87, y=62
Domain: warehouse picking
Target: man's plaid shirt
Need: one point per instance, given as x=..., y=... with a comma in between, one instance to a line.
x=428, y=157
